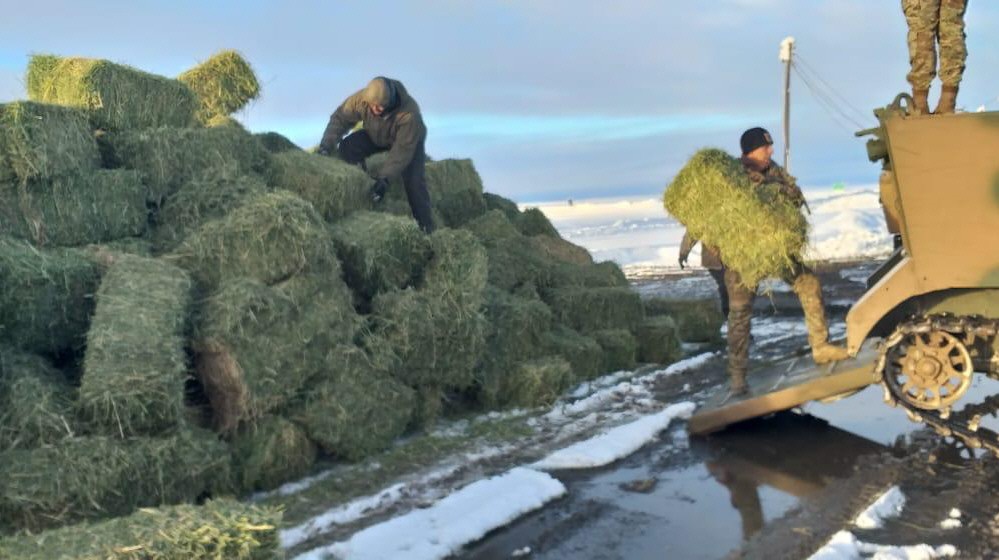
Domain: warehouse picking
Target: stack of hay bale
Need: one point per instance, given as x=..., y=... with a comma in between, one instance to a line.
x=190, y=310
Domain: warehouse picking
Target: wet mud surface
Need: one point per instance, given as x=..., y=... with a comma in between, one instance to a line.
x=776, y=487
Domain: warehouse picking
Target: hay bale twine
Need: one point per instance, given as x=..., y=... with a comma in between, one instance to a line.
x=36, y=401
x=533, y=221
x=592, y=309
x=270, y=237
x=334, y=187
x=47, y=296
x=170, y=157
x=88, y=207
x=697, y=320
x=534, y=383
x=380, y=252
x=224, y=84
x=219, y=529
x=355, y=409
x=202, y=199
x=760, y=233
x=581, y=351
x=135, y=365
x=276, y=143
x=269, y=452
x=658, y=341
x=620, y=349
x=113, y=95
x=97, y=477
x=40, y=141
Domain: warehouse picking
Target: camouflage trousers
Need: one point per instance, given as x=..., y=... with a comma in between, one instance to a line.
x=933, y=22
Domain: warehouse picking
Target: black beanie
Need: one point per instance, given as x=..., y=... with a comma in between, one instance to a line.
x=754, y=138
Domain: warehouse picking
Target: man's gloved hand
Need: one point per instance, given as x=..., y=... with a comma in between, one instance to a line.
x=378, y=189
x=683, y=261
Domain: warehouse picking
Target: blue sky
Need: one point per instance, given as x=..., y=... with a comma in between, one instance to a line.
x=552, y=99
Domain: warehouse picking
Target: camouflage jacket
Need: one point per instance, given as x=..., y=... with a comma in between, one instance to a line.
x=774, y=174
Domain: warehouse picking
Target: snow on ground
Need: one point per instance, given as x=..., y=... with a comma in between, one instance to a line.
x=888, y=505
x=442, y=529
x=615, y=443
x=644, y=240
x=339, y=516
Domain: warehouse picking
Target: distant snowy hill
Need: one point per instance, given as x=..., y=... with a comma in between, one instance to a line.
x=638, y=234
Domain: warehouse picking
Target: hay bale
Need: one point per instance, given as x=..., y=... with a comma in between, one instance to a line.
x=276, y=143
x=697, y=320
x=334, y=187
x=200, y=200
x=256, y=346
x=224, y=84
x=356, y=409
x=135, y=366
x=96, y=477
x=219, y=529
x=270, y=237
x=582, y=352
x=533, y=221
x=225, y=122
x=620, y=349
x=497, y=202
x=533, y=383
x=89, y=207
x=428, y=408
x=760, y=233
x=40, y=141
x=35, y=401
x=458, y=269
x=113, y=95
x=593, y=309
x=517, y=331
x=270, y=452
x=455, y=191
x=170, y=157
x=47, y=296
x=380, y=252
x=558, y=249
x=658, y=341
x=513, y=261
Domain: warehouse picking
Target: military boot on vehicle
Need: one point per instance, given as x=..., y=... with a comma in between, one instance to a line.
x=809, y=292
x=948, y=99
x=920, y=101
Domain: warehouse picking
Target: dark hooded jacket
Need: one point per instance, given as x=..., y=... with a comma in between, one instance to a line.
x=400, y=127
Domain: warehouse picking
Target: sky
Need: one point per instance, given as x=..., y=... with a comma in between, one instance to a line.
x=552, y=99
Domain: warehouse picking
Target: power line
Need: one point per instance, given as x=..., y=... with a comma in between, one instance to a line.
x=827, y=104
x=807, y=68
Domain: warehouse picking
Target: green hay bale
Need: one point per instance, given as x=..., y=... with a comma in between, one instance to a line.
x=458, y=270
x=334, y=187
x=513, y=261
x=47, y=296
x=256, y=346
x=455, y=190
x=593, y=309
x=759, y=232
x=220, y=529
x=97, y=477
x=517, y=331
x=225, y=122
x=497, y=202
x=114, y=96
x=582, y=352
x=428, y=408
x=534, y=222
x=35, y=401
x=270, y=237
x=620, y=349
x=356, y=409
x=697, y=320
x=201, y=200
x=39, y=141
x=558, y=249
x=170, y=157
x=276, y=143
x=224, y=84
x=270, y=452
x=89, y=207
x=658, y=341
x=380, y=252
x=135, y=366
x=534, y=383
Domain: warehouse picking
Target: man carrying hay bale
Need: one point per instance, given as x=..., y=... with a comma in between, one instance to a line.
x=711, y=260
x=750, y=209
x=391, y=122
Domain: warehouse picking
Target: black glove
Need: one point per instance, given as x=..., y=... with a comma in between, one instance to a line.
x=683, y=262
x=378, y=189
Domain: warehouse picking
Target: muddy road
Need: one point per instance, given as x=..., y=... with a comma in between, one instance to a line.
x=777, y=487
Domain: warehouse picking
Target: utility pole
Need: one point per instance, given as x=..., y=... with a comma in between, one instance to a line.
x=786, y=50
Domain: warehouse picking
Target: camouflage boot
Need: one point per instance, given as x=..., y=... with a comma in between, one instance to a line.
x=809, y=292
x=920, y=101
x=948, y=99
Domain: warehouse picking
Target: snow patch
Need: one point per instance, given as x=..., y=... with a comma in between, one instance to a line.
x=888, y=505
x=341, y=515
x=845, y=546
x=615, y=443
x=442, y=529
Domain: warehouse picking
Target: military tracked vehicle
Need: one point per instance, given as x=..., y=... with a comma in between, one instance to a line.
x=928, y=322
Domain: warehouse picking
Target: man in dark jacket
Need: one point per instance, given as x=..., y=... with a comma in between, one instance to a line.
x=391, y=122
x=711, y=260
